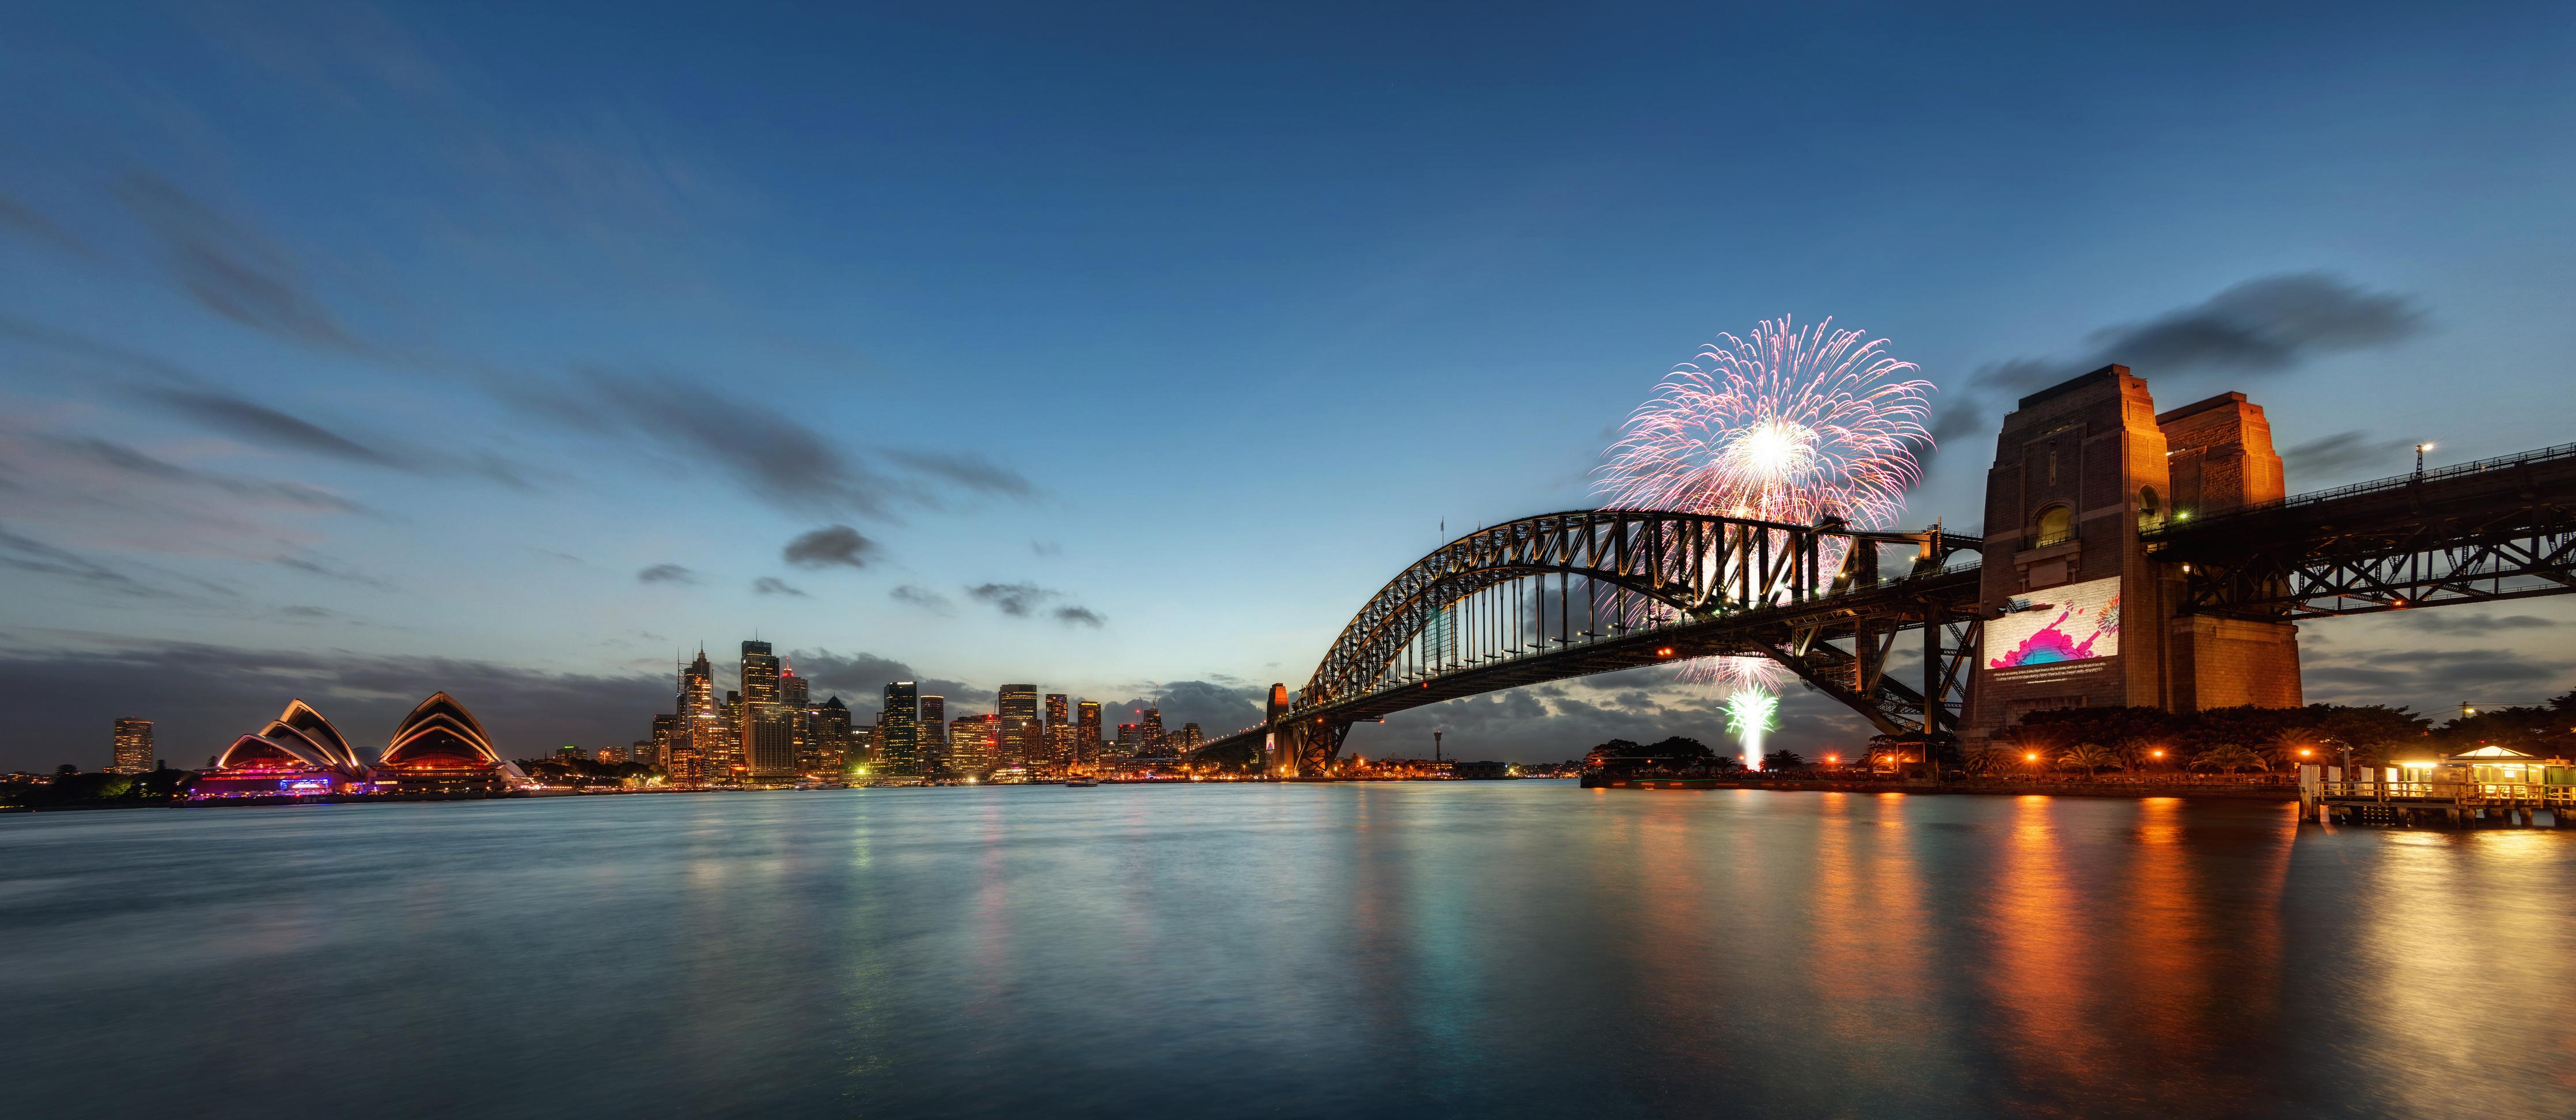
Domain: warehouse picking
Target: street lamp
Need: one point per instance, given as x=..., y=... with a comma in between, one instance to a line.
x=2420, y=449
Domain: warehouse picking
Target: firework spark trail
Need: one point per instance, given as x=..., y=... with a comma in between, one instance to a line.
x=1748, y=715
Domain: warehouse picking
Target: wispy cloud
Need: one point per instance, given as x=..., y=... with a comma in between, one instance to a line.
x=230, y=268
x=666, y=573
x=118, y=457
x=969, y=471
x=1014, y=599
x=24, y=220
x=330, y=569
x=27, y=554
x=923, y=598
x=1080, y=616
x=830, y=546
x=772, y=585
x=2264, y=326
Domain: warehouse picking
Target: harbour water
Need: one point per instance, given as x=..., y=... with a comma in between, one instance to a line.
x=1296, y=950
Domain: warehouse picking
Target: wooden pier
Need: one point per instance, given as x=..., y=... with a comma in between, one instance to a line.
x=2438, y=804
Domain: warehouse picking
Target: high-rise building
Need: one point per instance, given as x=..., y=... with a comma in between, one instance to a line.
x=759, y=673
x=132, y=750
x=1128, y=746
x=935, y=746
x=1055, y=738
x=1191, y=739
x=1152, y=731
x=657, y=751
x=1019, y=714
x=900, y=724
x=792, y=690
x=1086, y=730
x=970, y=745
x=698, y=737
x=769, y=741
x=827, y=738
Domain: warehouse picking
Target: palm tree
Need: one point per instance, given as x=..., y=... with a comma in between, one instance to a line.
x=1989, y=759
x=2090, y=756
x=2229, y=757
x=2297, y=745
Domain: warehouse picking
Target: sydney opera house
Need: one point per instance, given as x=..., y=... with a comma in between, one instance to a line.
x=437, y=750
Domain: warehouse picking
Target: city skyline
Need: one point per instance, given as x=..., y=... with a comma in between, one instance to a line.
x=357, y=355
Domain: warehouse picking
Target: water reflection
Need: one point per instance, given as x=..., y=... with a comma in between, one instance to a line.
x=1504, y=948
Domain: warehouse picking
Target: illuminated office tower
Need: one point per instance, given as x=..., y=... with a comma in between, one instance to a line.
x=1055, y=738
x=1191, y=739
x=827, y=738
x=132, y=749
x=759, y=673
x=935, y=746
x=792, y=690
x=657, y=750
x=1128, y=747
x=900, y=723
x=1152, y=732
x=769, y=741
x=1086, y=730
x=970, y=745
x=1019, y=714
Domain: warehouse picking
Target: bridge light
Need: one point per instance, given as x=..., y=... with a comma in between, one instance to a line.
x=1666, y=651
x=2030, y=756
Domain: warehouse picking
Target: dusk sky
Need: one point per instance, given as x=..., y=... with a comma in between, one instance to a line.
x=355, y=352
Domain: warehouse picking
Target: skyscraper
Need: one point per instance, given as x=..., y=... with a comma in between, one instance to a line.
x=1191, y=739
x=1019, y=712
x=902, y=729
x=1128, y=746
x=970, y=745
x=769, y=741
x=132, y=752
x=759, y=673
x=1058, y=734
x=792, y=689
x=658, y=749
x=698, y=741
x=827, y=737
x=1152, y=732
x=1086, y=731
x=935, y=747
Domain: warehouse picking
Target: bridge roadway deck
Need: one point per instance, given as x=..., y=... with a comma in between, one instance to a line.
x=1735, y=633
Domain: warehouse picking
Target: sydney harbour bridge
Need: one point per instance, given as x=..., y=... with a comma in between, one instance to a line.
x=1569, y=594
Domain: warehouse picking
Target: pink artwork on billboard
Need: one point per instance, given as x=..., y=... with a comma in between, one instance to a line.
x=2081, y=624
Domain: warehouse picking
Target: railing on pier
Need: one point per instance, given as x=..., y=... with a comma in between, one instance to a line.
x=2473, y=794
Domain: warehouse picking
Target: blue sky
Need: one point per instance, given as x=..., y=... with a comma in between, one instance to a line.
x=356, y=351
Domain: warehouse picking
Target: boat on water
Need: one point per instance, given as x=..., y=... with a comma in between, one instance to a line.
x=1081, y=783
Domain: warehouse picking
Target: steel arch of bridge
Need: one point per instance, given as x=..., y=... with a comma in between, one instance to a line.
x=1653, y=585
x=1693, y=564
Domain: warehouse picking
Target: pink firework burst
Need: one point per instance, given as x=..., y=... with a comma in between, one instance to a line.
x=1793, y=424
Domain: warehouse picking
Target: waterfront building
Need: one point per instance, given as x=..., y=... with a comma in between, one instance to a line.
x=299, y=752
x=439, y=748
x=1086, y=730
x=1129, y=745
x=1056, y=737
x=935, y=747
x=1152, y=732
x=900, y=724
x=131, y=750
x=657, y=750
x=1191, y=738
x=827, y=737
x=792, y=689
x=970, y=745
x=759, y=673
x=769, y=741
x=1018, y=709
